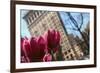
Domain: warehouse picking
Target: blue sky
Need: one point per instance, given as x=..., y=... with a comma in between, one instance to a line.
x=69, y=24
x=65, y=19
x=24, y=27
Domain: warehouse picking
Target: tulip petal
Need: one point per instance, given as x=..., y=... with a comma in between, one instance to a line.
x=42, y=45
x=47, y=58
x=53, y=38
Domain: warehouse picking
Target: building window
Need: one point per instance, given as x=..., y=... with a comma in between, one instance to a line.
x=48, y=19
x=71, y=55
x=44, y=26
x=35, y=32
x=41, y=12
x=69, y=50
x=35, y=14
x=38, y=13
x=65, y=52
x=67, y=57
x=52, y=18
x=55, y=26
x=33, y=17
x=29, y=20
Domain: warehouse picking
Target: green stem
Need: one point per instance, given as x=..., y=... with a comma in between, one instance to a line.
x=53, y=59
x=60, y=56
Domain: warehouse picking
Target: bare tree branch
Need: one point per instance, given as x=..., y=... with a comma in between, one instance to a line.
x=72, y=29
x=78, y=29
x=81, y=21
x=72, y=19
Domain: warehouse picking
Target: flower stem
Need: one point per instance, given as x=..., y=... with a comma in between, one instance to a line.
x=60, y=56
x=52, y=54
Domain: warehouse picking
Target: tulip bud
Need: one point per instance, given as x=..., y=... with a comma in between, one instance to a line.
x=47, y=58
x=53, y=39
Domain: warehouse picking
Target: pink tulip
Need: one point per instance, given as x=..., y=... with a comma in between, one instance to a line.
x=22, y=51
x=42, y=45
x=34, y=49
x=47, y=57
x=24, y=57
x=53, y=39
x=37, y=48
x=26, y=48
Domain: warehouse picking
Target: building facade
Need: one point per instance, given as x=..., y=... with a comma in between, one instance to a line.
x=41, y=21
x=75, y=41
